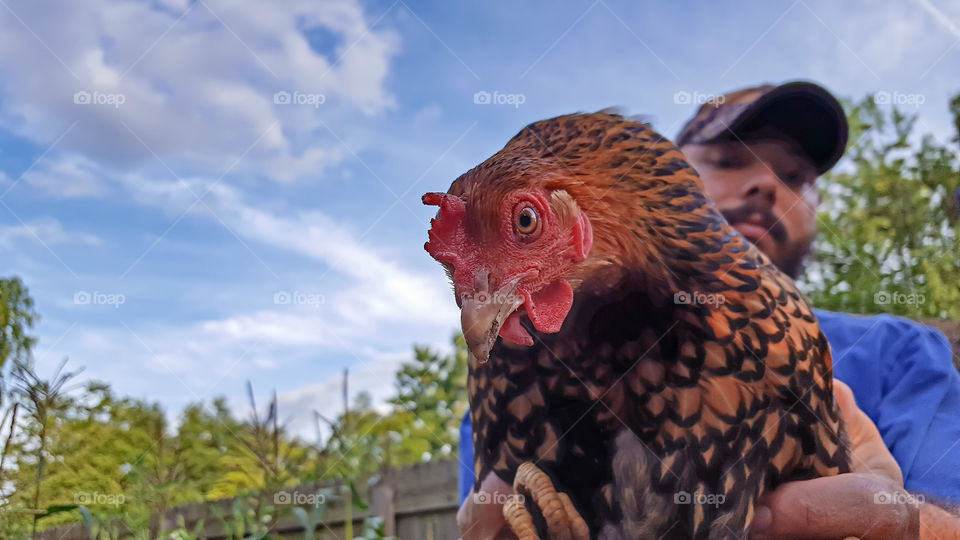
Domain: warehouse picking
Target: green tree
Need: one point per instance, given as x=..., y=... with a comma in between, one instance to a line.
x=430, y=402
x=120, y=458
x=16, y=317
x=361, y=442
x=207, y=435
x=44, y=401
x=889, y=236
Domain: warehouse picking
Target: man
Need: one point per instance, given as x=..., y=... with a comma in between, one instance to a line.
x=759, y=152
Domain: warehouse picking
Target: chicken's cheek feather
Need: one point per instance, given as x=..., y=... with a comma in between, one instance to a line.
x=548, y=307
x=582, y=237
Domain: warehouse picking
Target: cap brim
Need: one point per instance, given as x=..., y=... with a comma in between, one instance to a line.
x=806, y=113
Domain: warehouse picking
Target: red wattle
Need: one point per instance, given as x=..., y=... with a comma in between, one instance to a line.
x=548, y=307
x=513, y=331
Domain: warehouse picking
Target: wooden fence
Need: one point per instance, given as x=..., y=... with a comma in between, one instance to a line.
x=416, y=503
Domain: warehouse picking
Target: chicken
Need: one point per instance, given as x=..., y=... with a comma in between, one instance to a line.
x=655, y=374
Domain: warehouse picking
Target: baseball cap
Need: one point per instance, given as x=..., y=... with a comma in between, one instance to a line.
x=803, y=111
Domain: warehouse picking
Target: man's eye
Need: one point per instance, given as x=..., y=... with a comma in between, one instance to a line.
x=794, y=179
x=726, y=163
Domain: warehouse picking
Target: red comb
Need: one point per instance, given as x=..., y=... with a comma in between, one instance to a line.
x=446, y=230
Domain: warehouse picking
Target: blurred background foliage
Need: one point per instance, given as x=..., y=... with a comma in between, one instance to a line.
x=66, y=445
x=889, y=225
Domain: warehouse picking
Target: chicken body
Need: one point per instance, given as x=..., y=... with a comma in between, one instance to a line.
x=689, y=376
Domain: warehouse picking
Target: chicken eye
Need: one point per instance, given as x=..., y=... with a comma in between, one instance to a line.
x=527, y=221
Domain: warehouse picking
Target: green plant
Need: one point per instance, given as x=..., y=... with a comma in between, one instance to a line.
x=43, y=400
x=183, y=533
x=247, y=518
x=373, y=529
x=313, y=519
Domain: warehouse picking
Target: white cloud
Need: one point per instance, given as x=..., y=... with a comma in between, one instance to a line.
x=379, y=288
x=193, y=83
x=368, y=298
x=373, y=375
x=71, y=176
x=197, y=359
x=215, y=357
x=49, y=231
x=383, y=289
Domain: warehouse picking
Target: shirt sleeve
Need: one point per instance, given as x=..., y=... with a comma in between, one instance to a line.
x=903, y=378
x=919, y=412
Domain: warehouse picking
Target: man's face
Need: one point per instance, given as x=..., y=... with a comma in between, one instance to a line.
x=766, y=190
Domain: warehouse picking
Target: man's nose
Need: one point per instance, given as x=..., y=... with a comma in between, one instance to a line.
x=761, y=187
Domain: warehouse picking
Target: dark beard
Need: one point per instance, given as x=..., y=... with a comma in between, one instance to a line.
x=795, y=261
x=795, y=258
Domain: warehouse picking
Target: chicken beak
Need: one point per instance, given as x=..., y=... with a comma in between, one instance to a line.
x=483, y=313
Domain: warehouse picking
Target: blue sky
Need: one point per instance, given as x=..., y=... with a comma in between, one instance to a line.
x=183, y=229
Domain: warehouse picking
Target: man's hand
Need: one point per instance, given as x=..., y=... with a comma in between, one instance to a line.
x=869, y=502
x=481, y=515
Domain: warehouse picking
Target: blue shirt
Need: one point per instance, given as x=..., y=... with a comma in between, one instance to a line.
x=903, y=377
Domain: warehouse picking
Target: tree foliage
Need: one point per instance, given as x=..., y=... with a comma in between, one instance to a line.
x=431, y=399
x=16, y=317
x=889, y=237
x=124, y=461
